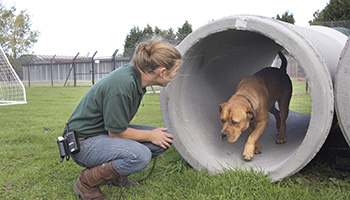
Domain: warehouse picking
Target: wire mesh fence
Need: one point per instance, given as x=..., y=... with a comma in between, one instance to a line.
x=342, y=23
x=296, y=74
x=69, y=71
x=342, y=26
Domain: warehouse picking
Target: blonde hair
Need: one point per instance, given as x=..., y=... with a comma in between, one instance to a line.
x=155, y=53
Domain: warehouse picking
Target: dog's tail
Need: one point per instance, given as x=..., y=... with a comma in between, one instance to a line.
x=284, y=62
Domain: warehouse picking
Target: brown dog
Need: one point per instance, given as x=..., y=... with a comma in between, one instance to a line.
x=254, y=98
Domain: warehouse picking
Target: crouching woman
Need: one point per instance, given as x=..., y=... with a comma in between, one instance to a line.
x=110, y=148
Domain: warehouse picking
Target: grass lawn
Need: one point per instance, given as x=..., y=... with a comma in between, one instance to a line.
x=301, y=101
x=30, y=167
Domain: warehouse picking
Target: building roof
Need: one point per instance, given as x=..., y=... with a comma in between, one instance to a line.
x=57, y=58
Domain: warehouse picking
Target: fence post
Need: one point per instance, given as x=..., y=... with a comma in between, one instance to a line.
x=113, y=58
x=74, y=72
x=93, y=69
x=51, y=70
x=31, y=59
x=73, y=66
x=28, y=75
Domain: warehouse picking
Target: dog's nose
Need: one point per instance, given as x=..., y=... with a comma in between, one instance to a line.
x=223, y=136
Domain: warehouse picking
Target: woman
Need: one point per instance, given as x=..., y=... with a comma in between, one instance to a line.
x=110, y=148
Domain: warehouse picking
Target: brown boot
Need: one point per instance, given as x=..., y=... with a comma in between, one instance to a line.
x=88, y=184
x=124, y=181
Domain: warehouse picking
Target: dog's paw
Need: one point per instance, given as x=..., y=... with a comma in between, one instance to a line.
x=281, y=140
x=247, y=158
x=258, y=149
x=248, y=153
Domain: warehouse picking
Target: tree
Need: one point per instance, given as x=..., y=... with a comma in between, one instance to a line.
x=148, y=30
x=169, y=34
x=136, y=36
x=336, y=10
x=286, y=17
x=131, y=39
x=184, y=31
x=16, y=36
x=158, y=31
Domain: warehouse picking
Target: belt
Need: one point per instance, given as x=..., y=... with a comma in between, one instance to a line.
x=80, y=139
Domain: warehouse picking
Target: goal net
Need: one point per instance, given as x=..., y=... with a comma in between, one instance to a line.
x=12, y=90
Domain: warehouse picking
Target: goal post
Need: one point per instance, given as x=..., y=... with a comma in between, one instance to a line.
x=12, y=90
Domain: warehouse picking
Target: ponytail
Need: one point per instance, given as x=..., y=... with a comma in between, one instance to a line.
x=155, y=53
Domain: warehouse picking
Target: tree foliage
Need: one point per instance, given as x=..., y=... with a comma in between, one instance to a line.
x=184, y=31
x=136, y=35
x=286, y=17
x=16, y=36
x=336, y=10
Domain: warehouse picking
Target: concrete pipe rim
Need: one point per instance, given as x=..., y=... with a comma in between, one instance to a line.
x=284, y=37
x=341, y=91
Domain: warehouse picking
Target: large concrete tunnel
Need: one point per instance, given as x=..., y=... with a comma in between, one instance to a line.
x=215, y=58
x=342, y=91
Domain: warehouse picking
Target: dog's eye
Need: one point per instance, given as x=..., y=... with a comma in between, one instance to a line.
x=233, y=122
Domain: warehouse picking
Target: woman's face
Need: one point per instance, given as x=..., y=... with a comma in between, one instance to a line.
x=166, y=76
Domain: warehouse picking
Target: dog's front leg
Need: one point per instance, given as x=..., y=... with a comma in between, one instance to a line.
x=257, y=144
x=253, y=145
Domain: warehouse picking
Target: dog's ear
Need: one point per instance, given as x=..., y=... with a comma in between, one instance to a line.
x=251, y=114
x=221, y=107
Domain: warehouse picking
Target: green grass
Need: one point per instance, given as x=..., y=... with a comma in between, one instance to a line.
x=301, y=101
x=57, y=84
x=30, y=167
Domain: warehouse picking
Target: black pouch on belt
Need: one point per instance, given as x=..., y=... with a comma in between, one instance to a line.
x=68, y=145
x=72, y=141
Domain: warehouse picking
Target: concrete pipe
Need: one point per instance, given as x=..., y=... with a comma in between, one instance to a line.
x=342, y=91
x=216, y=57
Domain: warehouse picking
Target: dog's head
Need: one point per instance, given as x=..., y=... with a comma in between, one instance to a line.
x=235, y=118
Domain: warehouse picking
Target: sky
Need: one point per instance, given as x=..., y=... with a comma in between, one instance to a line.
x=68, y=27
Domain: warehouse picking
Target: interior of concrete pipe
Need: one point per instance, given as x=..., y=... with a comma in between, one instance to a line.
x=213, y=81
x=215, y=59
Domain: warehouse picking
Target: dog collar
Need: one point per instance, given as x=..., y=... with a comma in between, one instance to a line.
x=251, y=105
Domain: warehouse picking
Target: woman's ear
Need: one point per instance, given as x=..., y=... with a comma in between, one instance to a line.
x=161, y=71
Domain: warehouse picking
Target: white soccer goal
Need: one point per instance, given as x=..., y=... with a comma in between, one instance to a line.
x=12, y=90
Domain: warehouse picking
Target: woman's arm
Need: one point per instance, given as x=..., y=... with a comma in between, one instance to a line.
x=157, y=136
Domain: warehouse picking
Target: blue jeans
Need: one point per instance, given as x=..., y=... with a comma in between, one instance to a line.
x=128, y=156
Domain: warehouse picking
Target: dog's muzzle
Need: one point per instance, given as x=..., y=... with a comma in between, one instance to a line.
x=223, y=136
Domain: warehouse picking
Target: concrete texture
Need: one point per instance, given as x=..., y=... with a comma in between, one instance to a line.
x=342, y=91
x=216, y=57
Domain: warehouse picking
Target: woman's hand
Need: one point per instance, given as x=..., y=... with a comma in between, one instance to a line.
x=157, y=136
x=161, y=138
